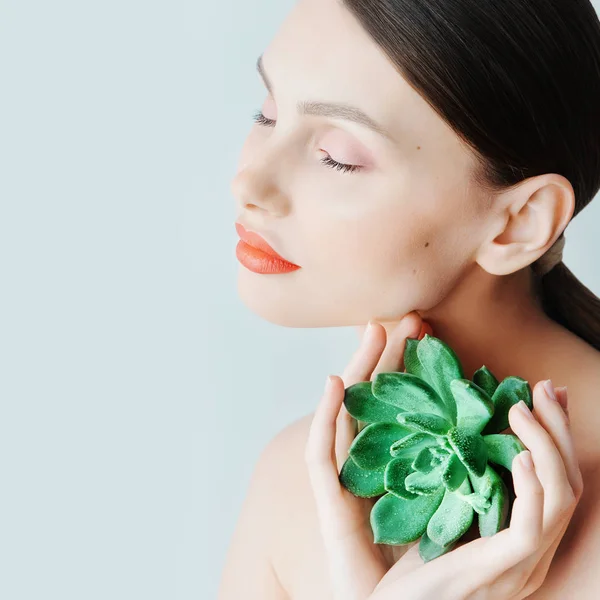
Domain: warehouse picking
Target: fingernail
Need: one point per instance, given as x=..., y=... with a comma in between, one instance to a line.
x=525, y=409
x=328, y=383
x=561, y=395
x=526, y=460
x=550, y=389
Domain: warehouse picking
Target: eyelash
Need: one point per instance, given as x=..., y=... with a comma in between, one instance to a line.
x=327, y=160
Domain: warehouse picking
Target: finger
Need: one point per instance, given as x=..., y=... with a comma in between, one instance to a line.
x=346, y=428
x=359, y=368
x=555, y=421
x=367, y=355
x=542, y=508
x=547, y=459
x=527, y=518
x=319, y=453
x=393, y=355
x=487, y=559
x=552, y=416
x=562, y=397
x=534, y=569
x=336, y=522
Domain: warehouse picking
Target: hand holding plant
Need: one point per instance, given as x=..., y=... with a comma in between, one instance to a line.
x=430, y=449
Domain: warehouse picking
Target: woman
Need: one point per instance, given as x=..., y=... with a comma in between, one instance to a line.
x=418, y=162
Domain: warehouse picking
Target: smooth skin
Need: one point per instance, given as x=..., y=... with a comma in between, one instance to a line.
x=509, y=565
x=411, y=230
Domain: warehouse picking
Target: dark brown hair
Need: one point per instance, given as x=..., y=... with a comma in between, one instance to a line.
x=519, y=82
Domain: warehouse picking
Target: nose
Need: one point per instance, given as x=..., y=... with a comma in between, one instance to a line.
x=257, y=185
x=252, y=193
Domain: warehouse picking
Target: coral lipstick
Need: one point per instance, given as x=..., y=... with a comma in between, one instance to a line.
x=257, y=256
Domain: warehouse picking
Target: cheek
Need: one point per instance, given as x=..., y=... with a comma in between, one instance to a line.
x=384, y=261
x=371, y=246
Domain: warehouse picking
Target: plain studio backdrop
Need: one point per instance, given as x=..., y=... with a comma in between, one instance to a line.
x=136, y=389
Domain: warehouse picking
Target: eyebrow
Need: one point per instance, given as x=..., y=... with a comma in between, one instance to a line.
x=328, y=109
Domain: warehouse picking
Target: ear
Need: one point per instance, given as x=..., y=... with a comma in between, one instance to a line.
x=528, y=219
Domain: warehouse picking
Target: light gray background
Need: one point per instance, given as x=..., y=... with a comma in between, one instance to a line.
x=136, y=389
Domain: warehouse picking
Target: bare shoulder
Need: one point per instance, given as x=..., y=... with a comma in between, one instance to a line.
x=574, y=572
x=284, y=456
x=252, y=566
x=294, y=435
x=297, y=551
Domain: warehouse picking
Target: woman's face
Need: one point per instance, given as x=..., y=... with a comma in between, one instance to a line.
x=393, y=235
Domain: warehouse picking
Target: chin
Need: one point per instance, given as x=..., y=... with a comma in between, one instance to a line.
x=275, y=298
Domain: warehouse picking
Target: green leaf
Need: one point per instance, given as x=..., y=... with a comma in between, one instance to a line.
x=454, y=473
x=370, y=449
x=452, y=518
x=429, y=550
x=510, y=391
x=492, y=485
x=479, y=503
x=486, y=380
x=471, y=449
x=364, y=406
x=474, y=408
x=408, y=393
x=397, y=520
x=502, y=448
x=412, y=444
x=424, y=483
x=394, y=476
x=363, y=483
x=425, y=461
x=412, y=364
x=442, y=366
x=425, y=422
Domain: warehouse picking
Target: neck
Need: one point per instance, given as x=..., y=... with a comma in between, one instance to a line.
x=499, y=322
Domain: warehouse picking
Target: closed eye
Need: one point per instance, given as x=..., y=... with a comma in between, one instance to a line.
x=326, y=160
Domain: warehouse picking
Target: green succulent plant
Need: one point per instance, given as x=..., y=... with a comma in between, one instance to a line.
x=427, y=440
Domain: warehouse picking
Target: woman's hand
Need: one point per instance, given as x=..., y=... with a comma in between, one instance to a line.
x=509, y=565
x=513, y=563
x=356, y=563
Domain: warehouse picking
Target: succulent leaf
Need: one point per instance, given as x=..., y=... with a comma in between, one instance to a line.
x=364, y=406
x=394, y=476
x=412, y=364
x=408, y=393
x=397, y=520
x=454, y=473
x=412, y=444
x=429, y=550
x=442, y=366
x=480, y=503
x=424, y=483
x=427, y=443
x=425, y=461
x=363, y=483
x=424, y=422
x=452, y=518
x=370, y=449
x=486, y=380
x=470, y=448
x=474, y=408
x=495, y=518
x=510, y=391
x=502, y=448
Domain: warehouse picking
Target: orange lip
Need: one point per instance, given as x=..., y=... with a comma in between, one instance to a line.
x=256, y=241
